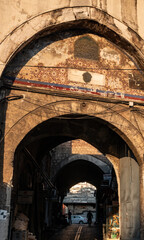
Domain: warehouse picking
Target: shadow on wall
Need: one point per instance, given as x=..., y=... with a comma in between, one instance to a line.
x=3, y=186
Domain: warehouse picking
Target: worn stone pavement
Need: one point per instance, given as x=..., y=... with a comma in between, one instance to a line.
x=78, y=232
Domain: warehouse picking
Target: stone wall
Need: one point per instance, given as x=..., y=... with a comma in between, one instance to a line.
x=81, y=147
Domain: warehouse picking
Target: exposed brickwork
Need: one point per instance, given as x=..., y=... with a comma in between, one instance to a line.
x=74, y=150
x=61, y=152
x=82, y=147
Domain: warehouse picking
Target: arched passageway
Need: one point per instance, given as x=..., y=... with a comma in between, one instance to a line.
x=46, y=115
x=33, y=172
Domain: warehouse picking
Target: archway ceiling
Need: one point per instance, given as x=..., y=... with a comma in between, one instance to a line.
x=55, y=131
x=78, y=171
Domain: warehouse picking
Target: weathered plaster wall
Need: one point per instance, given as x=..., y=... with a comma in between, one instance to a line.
x=76, y=62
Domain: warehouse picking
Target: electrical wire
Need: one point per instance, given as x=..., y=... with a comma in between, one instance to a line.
x=32, y=112
x=83, y=117
x=135, y=109
x=78, y=68
x=63, y=111
x=138, y=127
x=71, y=118
x=11, y=98
x=45, y=177
x=73, y=96
x=19, y=121
x=138, y=111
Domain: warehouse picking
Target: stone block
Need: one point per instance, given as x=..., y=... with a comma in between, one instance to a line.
x=82, y=13
x=129, y=13
x=100, y=4
x=94, y=3
x=2, y=66
x=6, y=50
x=123, y=29
x=140, y=17
x=66, y=16
x=97, y=15
x=55, y=4
x=21, y=35
x=74, y=3
x=114, y=9
x=13, y=42
x=41, y=21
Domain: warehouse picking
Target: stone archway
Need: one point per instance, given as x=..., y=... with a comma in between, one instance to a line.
x=18, y=131
x=93, y=19
x=89, y=158
x=122, y=126
x=118, y=123
x=49, y=22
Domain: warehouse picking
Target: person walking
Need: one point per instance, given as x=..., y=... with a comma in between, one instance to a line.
x=89, y=218
x=69, y=217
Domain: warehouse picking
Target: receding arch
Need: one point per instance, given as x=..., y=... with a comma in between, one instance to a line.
x=78, y=171
x=93, y=159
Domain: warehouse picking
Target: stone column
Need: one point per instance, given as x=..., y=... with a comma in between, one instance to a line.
x=142, y=200
x=129, y=199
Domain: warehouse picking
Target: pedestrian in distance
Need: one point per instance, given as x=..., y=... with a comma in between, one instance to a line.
x=89, y=218
x=69, y=217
